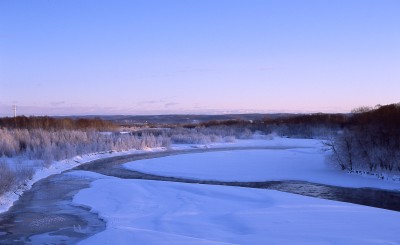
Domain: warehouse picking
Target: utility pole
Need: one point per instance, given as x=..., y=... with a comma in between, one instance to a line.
x=15, y=110
x=15, y=114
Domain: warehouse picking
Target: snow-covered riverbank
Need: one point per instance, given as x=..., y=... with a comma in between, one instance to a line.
x=7, y=200
x=294, y=159
x=158, y=212
x=56, y=167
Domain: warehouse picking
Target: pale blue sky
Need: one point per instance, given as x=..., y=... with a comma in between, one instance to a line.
x=62, y=57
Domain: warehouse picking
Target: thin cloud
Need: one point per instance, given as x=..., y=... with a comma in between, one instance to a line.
x=166, y=102
x=170, y=104
x=57, y=103
x=150, y=102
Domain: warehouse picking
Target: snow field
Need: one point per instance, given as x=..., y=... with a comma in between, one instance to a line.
x=156, y=212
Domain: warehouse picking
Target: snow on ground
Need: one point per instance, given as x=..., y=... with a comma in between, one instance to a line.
x=307, y=162
x=156, y=212
x=7, y=199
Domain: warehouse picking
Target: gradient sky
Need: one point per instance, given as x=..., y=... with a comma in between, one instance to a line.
x=61, y=57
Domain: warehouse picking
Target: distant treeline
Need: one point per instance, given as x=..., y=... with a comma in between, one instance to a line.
x=303, y=126
x=309, y=119
x=50, y=123
x=387, y=115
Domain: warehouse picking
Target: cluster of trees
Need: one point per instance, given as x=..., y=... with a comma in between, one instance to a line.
x=46, y=146
x=62, y=144
x=370, y=141
x=13, y=176
x=201, y=134
x=52, y=145
x=316, y=125
x=50, y=123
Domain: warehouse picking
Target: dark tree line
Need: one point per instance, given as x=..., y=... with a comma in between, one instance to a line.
x=301, y=126
x=317, y=125
x=50, y=123
x=370, y=140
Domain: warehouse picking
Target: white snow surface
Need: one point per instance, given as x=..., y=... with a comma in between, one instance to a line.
x=157, y=212
x=305, y=161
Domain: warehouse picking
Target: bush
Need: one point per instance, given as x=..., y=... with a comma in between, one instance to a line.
x=7, y=177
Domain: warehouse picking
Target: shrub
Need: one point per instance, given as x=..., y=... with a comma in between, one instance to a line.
x=7, y=177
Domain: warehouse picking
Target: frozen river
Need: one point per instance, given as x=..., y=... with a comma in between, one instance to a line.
x=46, y=213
